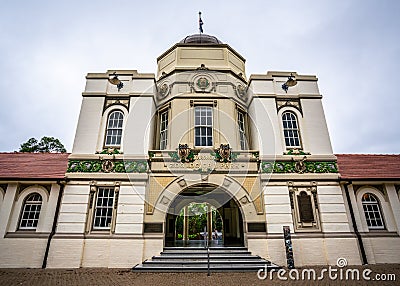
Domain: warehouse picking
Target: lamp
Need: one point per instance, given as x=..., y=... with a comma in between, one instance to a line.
x=115, y=81
x=289, y=83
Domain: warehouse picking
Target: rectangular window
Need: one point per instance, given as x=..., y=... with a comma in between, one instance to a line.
x=203, y=126
x=104, y=208
x=242, y=133
x=163, y=130
x=373, y=216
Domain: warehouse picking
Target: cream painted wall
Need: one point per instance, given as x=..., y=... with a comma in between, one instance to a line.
x=22, y=252
x=73, y=210
x=28, y=250
x=277, y=208
x=88, y=129
x=315, y=127
x=220, y=57
x=266, y=125
x=130, y=211
x=137, y=138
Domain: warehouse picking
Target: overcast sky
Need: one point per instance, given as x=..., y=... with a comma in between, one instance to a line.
x=353, y=47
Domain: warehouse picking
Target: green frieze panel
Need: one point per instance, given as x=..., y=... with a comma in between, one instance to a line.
x=107, y=166
x=299, y=167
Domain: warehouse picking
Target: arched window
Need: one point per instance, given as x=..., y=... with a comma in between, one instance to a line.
x=31, y=211
x=372, y=211
x=290, y=129
x=114, y=128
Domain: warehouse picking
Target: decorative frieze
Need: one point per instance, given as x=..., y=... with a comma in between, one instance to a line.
x=186, y=154
x=107, y=166
x=116, y=101
x=299, y=167
x=290, y=102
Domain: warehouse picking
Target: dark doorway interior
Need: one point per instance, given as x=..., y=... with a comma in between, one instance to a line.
x=205, y=208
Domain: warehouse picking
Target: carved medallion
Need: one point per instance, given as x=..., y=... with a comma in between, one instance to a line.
x=107, y=166
x=224, y=152
x=183, y=152
x=203, y=83
x=164, y=90
x=241, y=91
x=300, y=166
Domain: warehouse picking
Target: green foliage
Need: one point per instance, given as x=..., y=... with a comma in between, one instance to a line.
x=197, y=220
x=45, y=145
x=290, y=167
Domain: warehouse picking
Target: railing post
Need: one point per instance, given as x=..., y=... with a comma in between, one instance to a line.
x=208, y=261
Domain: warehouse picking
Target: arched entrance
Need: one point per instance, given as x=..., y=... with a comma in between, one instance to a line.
x=219, y=219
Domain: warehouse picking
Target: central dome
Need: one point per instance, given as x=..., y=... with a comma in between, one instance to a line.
x=200, y=39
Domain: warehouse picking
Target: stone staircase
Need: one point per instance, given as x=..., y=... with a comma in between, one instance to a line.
x=194, y=259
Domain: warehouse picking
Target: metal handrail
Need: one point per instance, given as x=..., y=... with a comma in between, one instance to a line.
x=208, y=260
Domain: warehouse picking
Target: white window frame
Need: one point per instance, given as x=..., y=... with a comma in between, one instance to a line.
x=207, y=125
x=370, y=208
x=164, y=117
x=241, y=119
x=94, y=198
x=117, y=126
x=290, y=129
x=27, y=209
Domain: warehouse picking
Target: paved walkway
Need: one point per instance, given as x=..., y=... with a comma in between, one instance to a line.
x=120, y=277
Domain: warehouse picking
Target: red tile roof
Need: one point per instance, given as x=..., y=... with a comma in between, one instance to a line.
x=33, y=165
x=368, y=166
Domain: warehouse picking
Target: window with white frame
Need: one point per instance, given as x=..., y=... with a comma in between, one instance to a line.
x=31, y=211
x=203, y=125
x=163, y=130
x=114, y=128
x=104, y=207
x=291, y=130
x=242, y=132
x=372, y=211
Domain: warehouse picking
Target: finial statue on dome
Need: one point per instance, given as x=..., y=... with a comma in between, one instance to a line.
x=200, y=24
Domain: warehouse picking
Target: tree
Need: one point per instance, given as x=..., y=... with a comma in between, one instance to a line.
x=46, y=144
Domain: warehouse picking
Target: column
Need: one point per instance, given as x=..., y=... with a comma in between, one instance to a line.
x=355, y=208
x=394, y=203
x=185, y=224
x=7, y=207
x=209, y=222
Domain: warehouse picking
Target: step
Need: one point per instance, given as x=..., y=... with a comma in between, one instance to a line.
x=204, y=256
x=204, y=261
x=196, y=259
x=202, y=247
x=215, y=253
x=203, y=268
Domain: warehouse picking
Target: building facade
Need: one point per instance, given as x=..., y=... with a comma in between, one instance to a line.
x=256, y=149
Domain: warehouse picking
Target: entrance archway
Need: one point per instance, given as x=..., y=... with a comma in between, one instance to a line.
x=214, y=200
